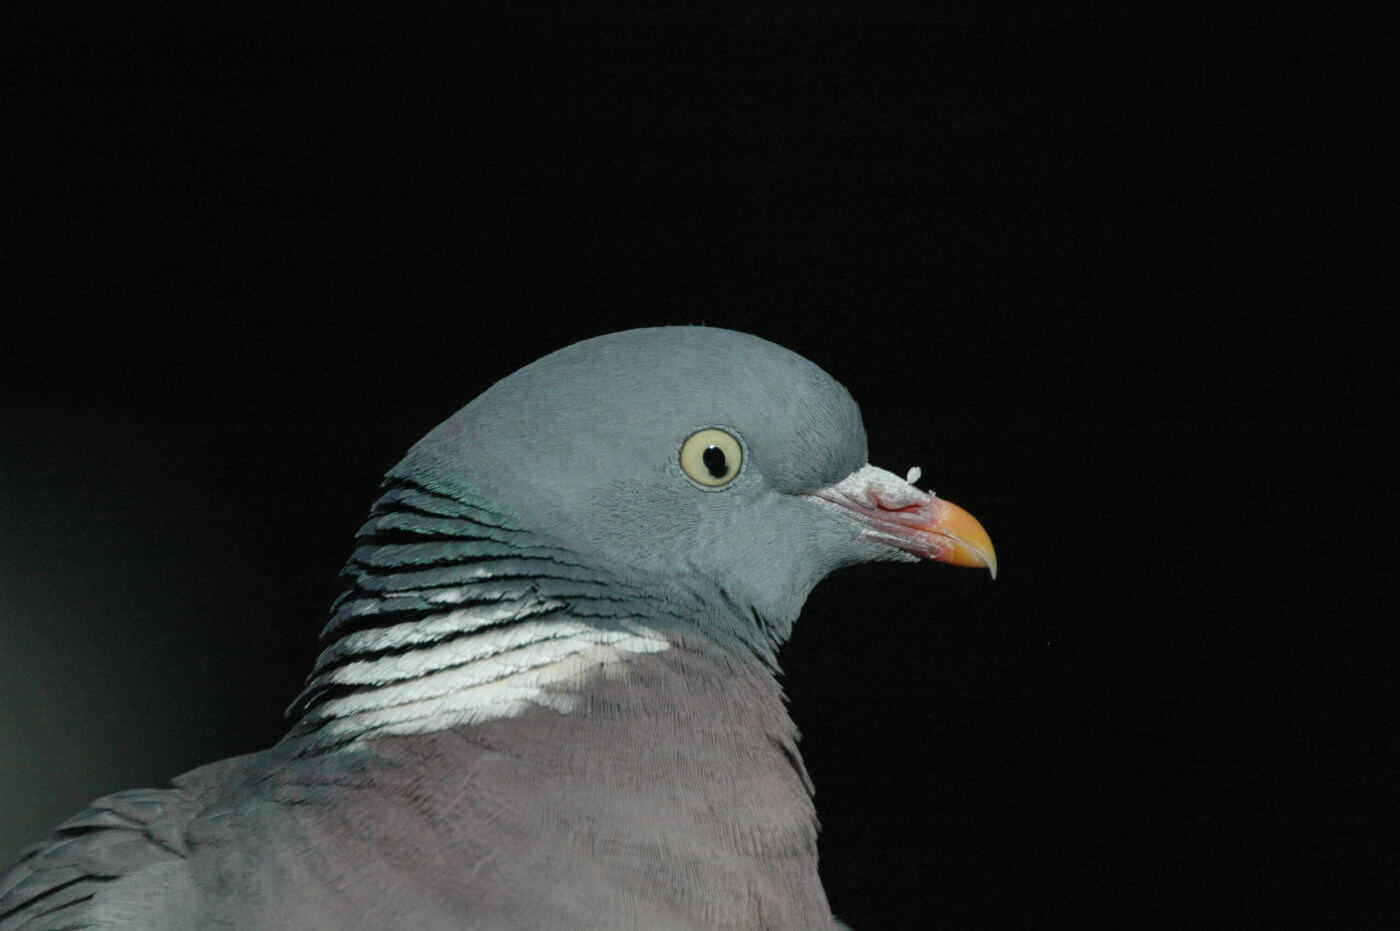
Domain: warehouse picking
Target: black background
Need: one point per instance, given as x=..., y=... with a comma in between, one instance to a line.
x=1115, y=280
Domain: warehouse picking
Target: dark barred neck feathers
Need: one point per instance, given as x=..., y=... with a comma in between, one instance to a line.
x=455, y=616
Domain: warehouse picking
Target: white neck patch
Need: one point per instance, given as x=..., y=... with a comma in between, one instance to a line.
x=496, y=673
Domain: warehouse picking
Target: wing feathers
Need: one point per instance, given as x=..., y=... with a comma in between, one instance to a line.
x=52, y=885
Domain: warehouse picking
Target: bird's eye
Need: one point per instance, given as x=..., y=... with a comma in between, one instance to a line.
x=711, y=457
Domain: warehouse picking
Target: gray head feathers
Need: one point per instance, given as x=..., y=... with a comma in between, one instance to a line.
x=582, y=448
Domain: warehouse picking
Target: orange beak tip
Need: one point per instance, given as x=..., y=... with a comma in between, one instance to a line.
x=968, y=541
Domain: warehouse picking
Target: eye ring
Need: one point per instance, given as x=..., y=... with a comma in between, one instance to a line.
x=711, y=458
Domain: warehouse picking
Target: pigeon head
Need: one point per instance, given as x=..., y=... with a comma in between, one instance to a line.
x=546, y=698
x=706, y=468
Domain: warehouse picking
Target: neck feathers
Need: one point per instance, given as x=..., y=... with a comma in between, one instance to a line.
x=455, y=616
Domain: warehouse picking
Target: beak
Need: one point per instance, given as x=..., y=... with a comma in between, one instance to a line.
x=892, y=511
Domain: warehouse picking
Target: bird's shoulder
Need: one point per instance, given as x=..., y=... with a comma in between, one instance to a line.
x=126, y=860
x=60, y=881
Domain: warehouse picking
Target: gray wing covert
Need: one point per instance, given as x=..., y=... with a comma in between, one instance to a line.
x=54, y=885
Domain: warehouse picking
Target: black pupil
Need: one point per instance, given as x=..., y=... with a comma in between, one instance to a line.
x=715, y=462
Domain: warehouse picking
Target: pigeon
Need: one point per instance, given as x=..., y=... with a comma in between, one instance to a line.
x=548, y=696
